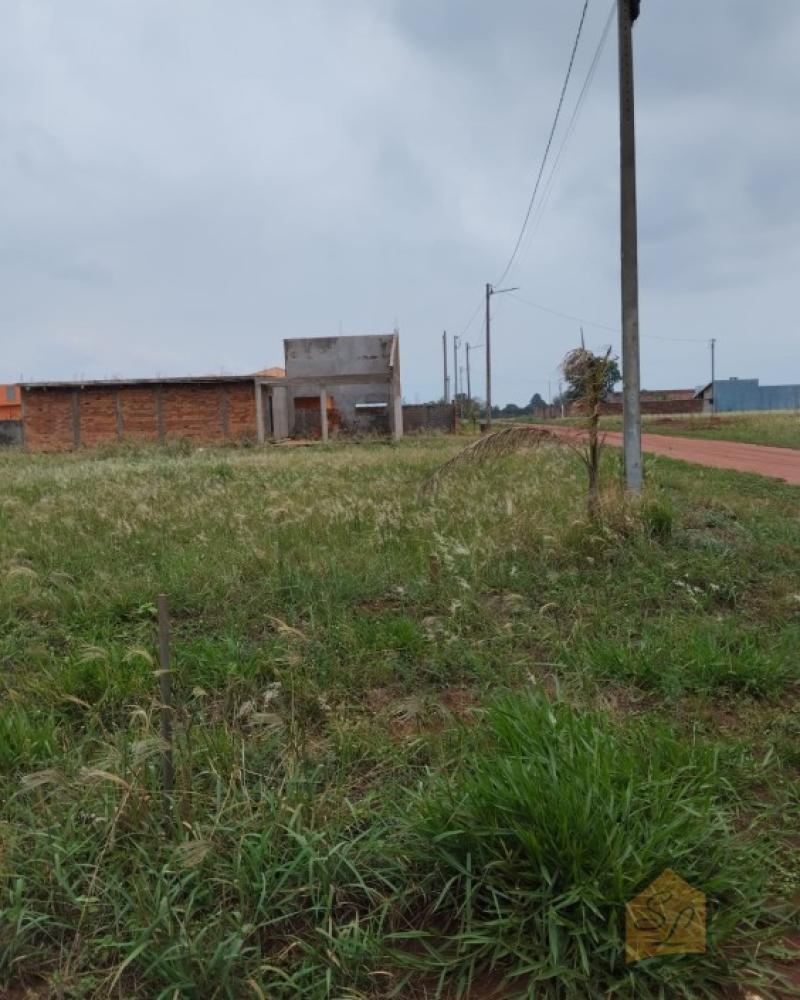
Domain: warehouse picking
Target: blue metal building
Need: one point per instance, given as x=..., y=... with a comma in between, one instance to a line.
x=737, y=394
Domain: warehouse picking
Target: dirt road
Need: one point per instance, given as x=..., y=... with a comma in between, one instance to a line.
x=777, y=463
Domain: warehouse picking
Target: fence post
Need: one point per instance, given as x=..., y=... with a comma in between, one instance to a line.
x=165, y=689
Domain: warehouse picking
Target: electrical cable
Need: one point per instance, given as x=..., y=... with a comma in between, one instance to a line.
x=587, y=83
x=543, y=165
x=602, y=326
x=570, y=128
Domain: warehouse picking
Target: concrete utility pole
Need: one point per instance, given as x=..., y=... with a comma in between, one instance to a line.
x=488, y=357
x=628, y=11
x=489, y=293
x=469, y=380
x=455, y=368
x=713, y=365
x=446, y=395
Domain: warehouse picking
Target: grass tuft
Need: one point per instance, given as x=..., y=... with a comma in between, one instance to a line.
x=530, y=851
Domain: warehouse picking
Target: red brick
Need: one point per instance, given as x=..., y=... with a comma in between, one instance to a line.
x=48, y=420
x=212, y=412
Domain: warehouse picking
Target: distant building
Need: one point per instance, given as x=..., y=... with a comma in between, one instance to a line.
x=10, y=415
x=10, y=402
x=656, y=401
x=328, y=385
x=740, y=394
x=656, y=396
x=333, y=385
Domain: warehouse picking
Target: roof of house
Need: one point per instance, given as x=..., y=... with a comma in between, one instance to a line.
x=276, y=372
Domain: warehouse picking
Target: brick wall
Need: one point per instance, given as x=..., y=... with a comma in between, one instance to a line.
x=59, y=419
x=647, y=406
x=658, y=406
x=138, y=406
x=47, y=420
x=420, y=417
x=242, y=412
x=193, y=412
x=98, y=418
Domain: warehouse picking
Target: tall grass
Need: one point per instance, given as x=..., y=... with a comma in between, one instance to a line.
x=332, y=630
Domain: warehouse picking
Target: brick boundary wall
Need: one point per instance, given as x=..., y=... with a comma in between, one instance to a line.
x=663, y=406
x=421, y=417
x=62, y=419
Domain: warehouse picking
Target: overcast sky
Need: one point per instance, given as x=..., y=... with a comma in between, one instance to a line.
x=184, y=183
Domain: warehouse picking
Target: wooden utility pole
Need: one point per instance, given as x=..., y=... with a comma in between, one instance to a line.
x=446, y=395
x=488, y=356
x=628, y=11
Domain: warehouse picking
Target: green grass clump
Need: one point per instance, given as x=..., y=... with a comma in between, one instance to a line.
x=530, y=852
x=275, y=887
x=716, y=658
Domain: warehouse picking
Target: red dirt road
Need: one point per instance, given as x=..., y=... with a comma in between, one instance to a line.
x=777, y=463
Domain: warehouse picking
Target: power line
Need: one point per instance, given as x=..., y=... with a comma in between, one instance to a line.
x=602, y=326
x=563, y=315
x=587, y=83
x=511, y=259
x=570, y=128
x=472, y=318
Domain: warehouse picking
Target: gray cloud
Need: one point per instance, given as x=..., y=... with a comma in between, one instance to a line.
x=185, y=184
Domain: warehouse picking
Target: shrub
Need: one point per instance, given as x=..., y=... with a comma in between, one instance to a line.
x=530, y=852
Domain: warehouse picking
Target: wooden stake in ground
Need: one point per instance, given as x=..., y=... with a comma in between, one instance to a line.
x=165, y=689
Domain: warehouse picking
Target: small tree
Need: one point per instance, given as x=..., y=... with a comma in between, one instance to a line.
x=590, y=377
x=575, y=384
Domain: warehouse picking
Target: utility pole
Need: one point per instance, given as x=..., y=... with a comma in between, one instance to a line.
x=446, y=395
x=628, y=11
x=455, y=368
x=469, y=380
x=489, y=293
x=488, y=356
x=713, y=363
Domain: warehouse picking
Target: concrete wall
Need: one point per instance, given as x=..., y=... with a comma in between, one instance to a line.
x=324, y=356
x=421, y=417
x=62, y=418
x=736, y=395
x=10, y=433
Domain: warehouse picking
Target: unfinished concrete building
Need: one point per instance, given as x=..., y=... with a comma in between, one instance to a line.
x=331, y=385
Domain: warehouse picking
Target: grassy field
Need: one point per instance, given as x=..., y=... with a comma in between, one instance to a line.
x=424, y=746
x=781, y=430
